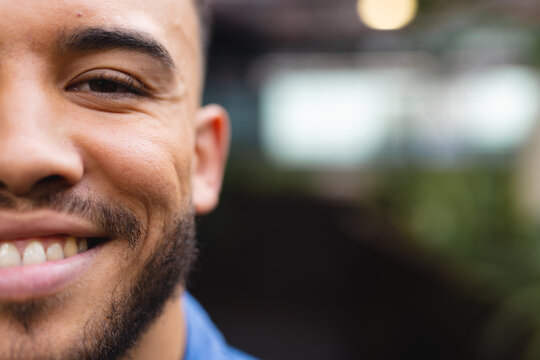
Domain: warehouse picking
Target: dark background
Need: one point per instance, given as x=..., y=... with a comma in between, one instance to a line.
x=331, y=262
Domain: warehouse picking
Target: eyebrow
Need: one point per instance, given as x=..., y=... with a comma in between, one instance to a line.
x=88, y=39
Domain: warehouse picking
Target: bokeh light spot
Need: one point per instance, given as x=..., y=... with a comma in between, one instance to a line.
x=387, y=14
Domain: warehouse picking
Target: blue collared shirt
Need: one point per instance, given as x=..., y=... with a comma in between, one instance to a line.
x=204, y=341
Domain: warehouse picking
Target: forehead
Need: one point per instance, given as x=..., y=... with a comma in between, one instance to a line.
x=36, y=24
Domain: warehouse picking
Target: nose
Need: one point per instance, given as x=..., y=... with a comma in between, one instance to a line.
x=34, y=145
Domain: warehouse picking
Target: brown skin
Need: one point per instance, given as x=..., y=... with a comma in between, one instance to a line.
x=159, y=155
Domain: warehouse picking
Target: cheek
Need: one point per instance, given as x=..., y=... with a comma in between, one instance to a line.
x=144, y=166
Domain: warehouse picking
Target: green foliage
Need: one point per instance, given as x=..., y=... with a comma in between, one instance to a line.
x=470, y=217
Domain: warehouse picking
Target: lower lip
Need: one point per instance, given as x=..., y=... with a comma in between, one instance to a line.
x=28, y=282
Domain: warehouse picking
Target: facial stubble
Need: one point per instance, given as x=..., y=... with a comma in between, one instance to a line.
x=118, y=325
x=131, y=313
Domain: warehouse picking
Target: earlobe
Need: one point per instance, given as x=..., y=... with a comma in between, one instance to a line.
x=212, y=138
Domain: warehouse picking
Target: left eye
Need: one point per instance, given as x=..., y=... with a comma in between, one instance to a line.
x=106, y=86
x=110, y=84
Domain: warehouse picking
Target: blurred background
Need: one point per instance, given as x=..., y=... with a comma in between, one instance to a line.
x=382, y=199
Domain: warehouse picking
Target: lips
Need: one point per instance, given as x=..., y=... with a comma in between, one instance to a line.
x=43, y=253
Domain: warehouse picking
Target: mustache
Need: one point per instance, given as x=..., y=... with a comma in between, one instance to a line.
x=115, y=220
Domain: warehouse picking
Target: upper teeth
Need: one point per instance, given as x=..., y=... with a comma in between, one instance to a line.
x=35, y=253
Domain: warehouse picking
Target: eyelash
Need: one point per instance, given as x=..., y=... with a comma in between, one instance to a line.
x=129, y=85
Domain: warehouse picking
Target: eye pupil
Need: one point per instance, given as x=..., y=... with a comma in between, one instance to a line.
x=104, y=86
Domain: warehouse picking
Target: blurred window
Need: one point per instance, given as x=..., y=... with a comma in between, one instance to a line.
x=347, y=117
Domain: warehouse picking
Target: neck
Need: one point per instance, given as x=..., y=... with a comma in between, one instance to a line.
x=166, y=338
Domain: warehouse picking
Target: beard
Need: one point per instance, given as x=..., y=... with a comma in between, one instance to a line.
x=117, y=326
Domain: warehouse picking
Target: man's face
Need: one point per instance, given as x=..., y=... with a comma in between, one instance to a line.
x=101, y=139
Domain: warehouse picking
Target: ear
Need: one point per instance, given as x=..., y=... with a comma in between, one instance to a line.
x=212, y=138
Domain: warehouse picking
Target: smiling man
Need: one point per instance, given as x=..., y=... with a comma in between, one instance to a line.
x=105, y=158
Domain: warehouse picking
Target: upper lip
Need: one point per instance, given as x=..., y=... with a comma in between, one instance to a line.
x=45, y=223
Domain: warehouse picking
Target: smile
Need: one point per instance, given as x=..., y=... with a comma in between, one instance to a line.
x=43, y=253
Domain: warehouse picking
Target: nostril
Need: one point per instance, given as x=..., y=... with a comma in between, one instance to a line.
x=50, y=179
x=55, y=181
x=45, y=191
